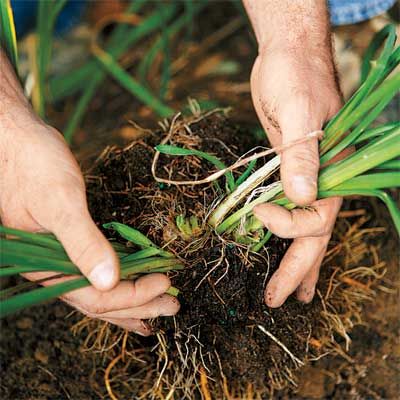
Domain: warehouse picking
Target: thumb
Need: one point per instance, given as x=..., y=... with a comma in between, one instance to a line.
x=299, y=163
x=88, y=249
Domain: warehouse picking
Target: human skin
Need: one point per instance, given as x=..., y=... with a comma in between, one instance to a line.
x=42, y=190
x=295, y=91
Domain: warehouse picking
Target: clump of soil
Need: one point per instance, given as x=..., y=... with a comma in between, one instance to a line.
x=223, y=318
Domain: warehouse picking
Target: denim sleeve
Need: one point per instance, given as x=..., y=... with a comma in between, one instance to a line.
x=25, y=12
x=351, y=11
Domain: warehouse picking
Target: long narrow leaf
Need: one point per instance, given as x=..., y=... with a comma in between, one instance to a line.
x=44, y=240
x=91, y=82
x=180, y=151
x=131, y=234
x=389, y=202
x=8, y=39
x=133, y=86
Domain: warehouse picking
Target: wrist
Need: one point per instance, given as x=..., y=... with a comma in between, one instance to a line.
x=301, y=25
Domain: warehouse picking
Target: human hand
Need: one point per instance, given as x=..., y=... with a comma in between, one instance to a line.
x=42, y=190
x=294, y=93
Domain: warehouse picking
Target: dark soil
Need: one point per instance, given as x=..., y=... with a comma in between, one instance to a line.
x=223, y=315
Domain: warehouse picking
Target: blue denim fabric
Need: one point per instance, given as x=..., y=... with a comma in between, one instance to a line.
x=25, y=11
x=351, y=11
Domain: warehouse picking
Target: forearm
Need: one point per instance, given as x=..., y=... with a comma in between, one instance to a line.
x=10, y=88
x=15, y=110
x=293, y=24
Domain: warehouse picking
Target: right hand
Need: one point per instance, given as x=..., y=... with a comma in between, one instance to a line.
x=42, y=190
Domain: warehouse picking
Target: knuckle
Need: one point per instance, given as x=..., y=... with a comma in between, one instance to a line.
x=80, y=251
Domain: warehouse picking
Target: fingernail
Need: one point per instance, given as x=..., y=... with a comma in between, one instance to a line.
x=103, y=274
x=304, y=185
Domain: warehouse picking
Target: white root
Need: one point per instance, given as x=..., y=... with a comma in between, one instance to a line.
x=297, y=361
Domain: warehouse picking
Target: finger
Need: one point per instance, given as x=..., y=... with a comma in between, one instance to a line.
x=162, y=306
x=317, y=221
x=127, y=294
x=306, y=290
x=301, y=256
x=132, y=325
x=87, y=248
x=299, y=163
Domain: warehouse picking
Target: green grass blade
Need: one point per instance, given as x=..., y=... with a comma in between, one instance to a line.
x=392, y=164
x=139, y=255
x=47, y=14
x=384, y=180
x=8, y=39
x=134, y=87
x=180, y=151
x=37, y=263
x=19, y=247
x=171, y=30
x=378, y=131
x=246, y=173
x=130, y=234
x=41, y=239
x=91, y=82
x=389, y=202
x=73, y=81
x=361, y=101
x=388, y=34
x=37, y=296
x=365, y=122
x=368, y=157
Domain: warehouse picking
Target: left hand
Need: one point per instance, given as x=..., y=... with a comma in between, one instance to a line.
x=295, y=92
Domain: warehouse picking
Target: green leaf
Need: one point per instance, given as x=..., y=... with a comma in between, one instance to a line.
x=180, y=151
x=89, y=78
x=384, y=180
x=8, y=39
x=380, y=150
x=378, y=131
x=171, y=30
x=389, y=202
x=134, y=87
x=388, y=90
x=388, y=34
x=37, y=263
x=130, y=234
x=367, y=96
x=47, y=13
x=41, y=239
x=18, y=247
x=246, y=173
x=37, y=296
